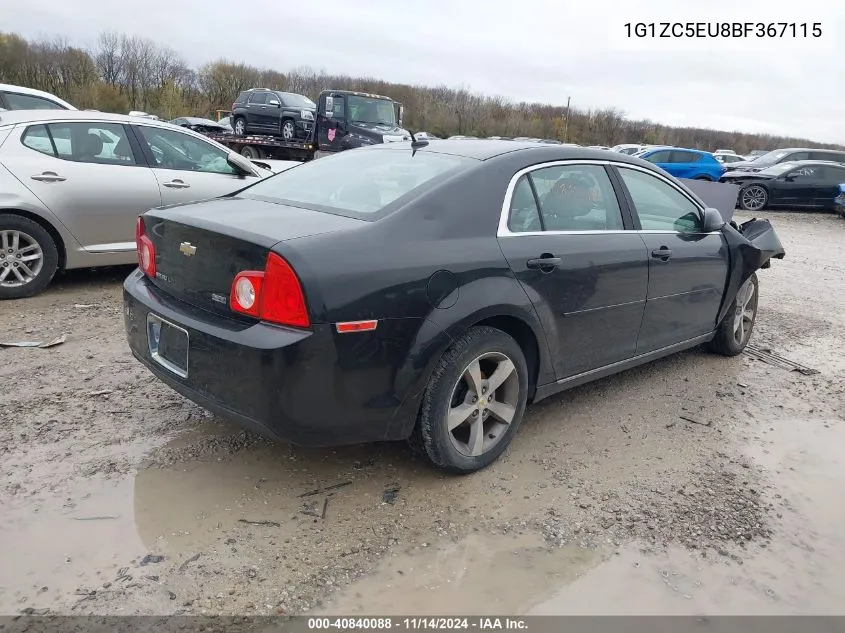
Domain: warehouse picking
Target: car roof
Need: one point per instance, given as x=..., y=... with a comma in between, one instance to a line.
x=13, y=117
x=484, y=149
x=804, y=163
x=35, y=93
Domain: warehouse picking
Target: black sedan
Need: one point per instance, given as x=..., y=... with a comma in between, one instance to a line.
x=430, y=291
x=800, y=184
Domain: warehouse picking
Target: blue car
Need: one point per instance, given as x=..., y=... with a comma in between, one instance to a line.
x=685, y=163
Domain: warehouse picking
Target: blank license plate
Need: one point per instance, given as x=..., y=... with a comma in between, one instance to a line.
x=168, y=345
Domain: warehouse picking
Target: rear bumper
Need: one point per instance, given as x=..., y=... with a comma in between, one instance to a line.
x=306, y=387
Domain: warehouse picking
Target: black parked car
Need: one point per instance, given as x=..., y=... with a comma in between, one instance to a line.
x=197, y=124
x=785, y=156
x=262, y=111
x=429, y=291
x=799, y=184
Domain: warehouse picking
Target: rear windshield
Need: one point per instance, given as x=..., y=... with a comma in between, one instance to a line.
x=298, y=101
x=366, y=184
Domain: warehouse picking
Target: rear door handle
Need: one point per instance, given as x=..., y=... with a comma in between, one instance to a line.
x=177, y=184
x=662, y=253
x=48, y=176
x=546, y=263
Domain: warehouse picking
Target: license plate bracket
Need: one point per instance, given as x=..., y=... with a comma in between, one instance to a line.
x=168, y=344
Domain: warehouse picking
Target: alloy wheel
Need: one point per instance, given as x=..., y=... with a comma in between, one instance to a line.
x=239, y=127
x=21, y=258
x=483, y=404
x=287, y=130
x=754, y=198
x=746, y=307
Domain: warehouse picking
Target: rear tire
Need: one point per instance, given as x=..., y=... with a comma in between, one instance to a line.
x=482, y=424
x=248, y=151
x=29, y=257
x=239, y=126
x=735, y=330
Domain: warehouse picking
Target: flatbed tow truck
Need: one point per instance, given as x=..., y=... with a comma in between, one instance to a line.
x=344, y=120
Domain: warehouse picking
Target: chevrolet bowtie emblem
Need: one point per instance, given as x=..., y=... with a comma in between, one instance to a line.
x=187, y=249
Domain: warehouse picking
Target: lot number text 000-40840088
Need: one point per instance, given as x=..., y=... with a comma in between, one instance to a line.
x=719, y=30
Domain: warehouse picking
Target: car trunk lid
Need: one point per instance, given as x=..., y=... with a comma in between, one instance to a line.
x=201, y=247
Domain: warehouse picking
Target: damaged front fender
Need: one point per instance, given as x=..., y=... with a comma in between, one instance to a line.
x=752, y=245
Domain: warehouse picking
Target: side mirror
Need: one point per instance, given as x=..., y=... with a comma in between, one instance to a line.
x=241, y=165
x=401, y=114
x=712, y=220
x=329, y=109
x=275, y=103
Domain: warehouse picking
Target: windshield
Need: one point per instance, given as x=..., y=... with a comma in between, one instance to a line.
x=371, y=110
x=770, y=158
x=362, y=184
x=298, y=101
x=776, y=170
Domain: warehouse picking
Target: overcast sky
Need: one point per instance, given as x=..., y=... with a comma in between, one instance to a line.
x=534, y=50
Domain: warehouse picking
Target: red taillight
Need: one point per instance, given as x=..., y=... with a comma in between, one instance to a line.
x=146, y=250
x=273, y=294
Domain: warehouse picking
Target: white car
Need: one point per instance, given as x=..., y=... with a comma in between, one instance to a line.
x=73, y=184
x=21, y=98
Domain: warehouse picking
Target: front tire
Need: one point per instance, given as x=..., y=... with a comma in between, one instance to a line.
x=288, y=130
x=753, y=198
x=28, y=257
x=474, y=401
x=735, y=330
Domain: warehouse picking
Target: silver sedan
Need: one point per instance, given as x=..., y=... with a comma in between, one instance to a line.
x=73, y=183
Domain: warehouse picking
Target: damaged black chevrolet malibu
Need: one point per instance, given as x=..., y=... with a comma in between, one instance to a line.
x=429, y=292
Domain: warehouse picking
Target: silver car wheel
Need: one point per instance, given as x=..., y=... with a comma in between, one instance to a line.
x=239, y=127
x=754, y=198
x=745, y=311
x=288, y=130
x=483, y=404
x=21, y=258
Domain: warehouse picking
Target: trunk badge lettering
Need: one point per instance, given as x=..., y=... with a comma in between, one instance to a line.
x=187, y=249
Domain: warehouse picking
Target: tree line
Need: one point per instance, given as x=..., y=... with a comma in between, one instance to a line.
x=122, y=73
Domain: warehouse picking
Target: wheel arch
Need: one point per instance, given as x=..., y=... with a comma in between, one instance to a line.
x=47, y=226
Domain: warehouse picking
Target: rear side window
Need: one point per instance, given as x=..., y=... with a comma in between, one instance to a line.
x=834, y=156
x=660, y=206
x=36, y=137
x=659, y=157
x=17, y=101
x=576, y=198
x=524, y=215
x=258, y=98
x=100, y=143
x=685, y=157
x=366, y=184
x=242, y=98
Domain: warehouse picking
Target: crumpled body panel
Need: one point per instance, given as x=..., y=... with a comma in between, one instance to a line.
x=752, y=246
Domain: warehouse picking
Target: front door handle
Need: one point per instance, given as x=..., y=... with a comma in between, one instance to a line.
x=663, y=253
x=545, y=263
x=48, y=176
x=177, y=184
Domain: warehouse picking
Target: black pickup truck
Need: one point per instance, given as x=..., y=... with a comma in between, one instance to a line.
x=342, y=119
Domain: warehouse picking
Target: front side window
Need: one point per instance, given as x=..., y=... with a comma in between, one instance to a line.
x=797, y=156
x=660, y=206
x=172, y=149
x=100, y=143
x=576, y=198
x=362, y=184
x=17, y=101
x=371, y=110
x=36, y=137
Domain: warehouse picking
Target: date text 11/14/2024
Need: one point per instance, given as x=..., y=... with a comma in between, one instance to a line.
x=722, y=30
x=417, y=624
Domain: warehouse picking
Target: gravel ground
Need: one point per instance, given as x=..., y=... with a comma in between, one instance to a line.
x=121, y=497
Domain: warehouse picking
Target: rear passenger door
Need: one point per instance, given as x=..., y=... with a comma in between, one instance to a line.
x=687, y=267
x=564, y=237
x=257, y=111
x=684, y=164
